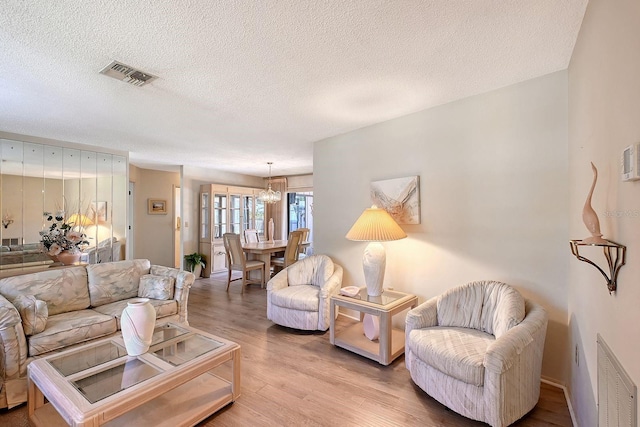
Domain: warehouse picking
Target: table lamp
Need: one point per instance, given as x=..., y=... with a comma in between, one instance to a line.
x=79, y=220
x=375, y=225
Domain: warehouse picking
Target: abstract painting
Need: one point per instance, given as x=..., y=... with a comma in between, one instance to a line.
x=400, y=197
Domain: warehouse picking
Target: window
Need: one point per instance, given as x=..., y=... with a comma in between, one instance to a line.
x=300, y=211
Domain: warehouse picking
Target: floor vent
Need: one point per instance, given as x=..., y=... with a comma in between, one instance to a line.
x=127, y=74
x=616, y=391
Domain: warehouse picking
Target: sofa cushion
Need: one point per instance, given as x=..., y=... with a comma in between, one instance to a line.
x=156, y=287
x=64, y=290
x=456, y=352
x=312, y=270
x=163, y=308
x=67, y=329
x=33, y=312
x=301, y=297
x=115, y=281
x=161, y=270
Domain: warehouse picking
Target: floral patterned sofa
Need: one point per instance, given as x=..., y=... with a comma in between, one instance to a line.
x=52, y=310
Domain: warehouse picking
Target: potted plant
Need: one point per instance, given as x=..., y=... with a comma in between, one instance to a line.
x=195, y=263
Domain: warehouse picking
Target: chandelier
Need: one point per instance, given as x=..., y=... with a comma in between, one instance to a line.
x=269, y=196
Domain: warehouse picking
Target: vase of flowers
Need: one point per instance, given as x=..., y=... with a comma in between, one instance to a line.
x=62, y=239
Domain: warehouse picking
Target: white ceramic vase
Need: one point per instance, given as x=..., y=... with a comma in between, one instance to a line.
x=137, y=322
x=271, y=229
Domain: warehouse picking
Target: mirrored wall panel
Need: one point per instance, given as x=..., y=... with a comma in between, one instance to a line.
x=60, y=206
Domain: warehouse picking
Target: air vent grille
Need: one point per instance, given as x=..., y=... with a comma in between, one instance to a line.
x=127, y=74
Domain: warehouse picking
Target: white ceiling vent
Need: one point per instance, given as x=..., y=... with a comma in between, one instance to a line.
x=127, y=74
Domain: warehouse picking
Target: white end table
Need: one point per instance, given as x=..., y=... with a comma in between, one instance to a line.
x=390, y=344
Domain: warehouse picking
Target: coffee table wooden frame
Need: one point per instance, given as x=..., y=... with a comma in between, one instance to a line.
x=180, y=396
x=390, y=344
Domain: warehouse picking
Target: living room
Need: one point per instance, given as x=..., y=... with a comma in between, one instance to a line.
x=503, y=176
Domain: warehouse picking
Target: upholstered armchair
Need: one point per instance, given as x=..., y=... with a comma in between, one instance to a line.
x=477, y=349
x=299, y=296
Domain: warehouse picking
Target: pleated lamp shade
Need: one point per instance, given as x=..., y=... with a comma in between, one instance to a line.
x=375, y=225
x=79, y=220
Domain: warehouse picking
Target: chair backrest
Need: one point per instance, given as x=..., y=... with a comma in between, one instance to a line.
x=251, y=235
x=313, y=270
x=305, y=237
x=232, y=245
x=293, y=247
x=305, y=233
x=489, y=306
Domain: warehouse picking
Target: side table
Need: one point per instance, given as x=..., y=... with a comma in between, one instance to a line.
x=390, y=345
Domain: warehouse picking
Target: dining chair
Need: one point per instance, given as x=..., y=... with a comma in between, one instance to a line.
x=251, y=235
x=302, y=252
x=290, y=252
x=237, y=261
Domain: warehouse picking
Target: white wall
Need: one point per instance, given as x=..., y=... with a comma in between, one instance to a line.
x=604, y=105
x=494, y=196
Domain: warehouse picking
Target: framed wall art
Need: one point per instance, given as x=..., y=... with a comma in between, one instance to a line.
x=98, y=212
x=157, y=207
x=400, y=197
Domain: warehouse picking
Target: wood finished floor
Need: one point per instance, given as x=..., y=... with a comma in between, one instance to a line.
x=293, y=378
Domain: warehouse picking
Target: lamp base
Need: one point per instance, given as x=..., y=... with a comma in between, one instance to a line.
x=374, y=262
x=371, y=326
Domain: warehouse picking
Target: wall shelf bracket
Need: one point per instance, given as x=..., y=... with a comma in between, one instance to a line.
x=614, y=253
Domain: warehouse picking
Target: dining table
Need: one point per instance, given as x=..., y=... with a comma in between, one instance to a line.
x=263, y=251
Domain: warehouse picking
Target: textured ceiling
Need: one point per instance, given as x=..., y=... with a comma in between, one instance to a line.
x=243, y=82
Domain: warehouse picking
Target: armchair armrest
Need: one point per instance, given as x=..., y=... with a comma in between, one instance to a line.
x=327, y=289
x=513, y=365
x=333, y=285
x=423, y=316
x=279, y=281
x=13, y=356
x=528, y=335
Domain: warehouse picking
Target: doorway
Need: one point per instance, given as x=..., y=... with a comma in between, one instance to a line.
x=177, y=227
x=131, y=220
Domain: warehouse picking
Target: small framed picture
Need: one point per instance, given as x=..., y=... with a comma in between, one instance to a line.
x=157, y=207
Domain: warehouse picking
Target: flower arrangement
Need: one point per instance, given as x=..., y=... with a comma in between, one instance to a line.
x=60, y=235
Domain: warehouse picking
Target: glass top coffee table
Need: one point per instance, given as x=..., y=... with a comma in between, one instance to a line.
x=390, y=344
x=174, y=384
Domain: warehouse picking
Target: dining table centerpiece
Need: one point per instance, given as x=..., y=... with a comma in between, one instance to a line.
x=62, y=239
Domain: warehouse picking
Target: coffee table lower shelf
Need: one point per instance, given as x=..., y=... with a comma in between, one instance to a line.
x=185, y=405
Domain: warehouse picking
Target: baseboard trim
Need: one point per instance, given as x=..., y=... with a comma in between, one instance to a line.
x=566, y=397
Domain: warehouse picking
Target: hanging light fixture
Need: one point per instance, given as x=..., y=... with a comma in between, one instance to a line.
x=269, y=196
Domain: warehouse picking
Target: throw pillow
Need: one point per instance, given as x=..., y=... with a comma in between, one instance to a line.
x=34, y=313
x=156, y=287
